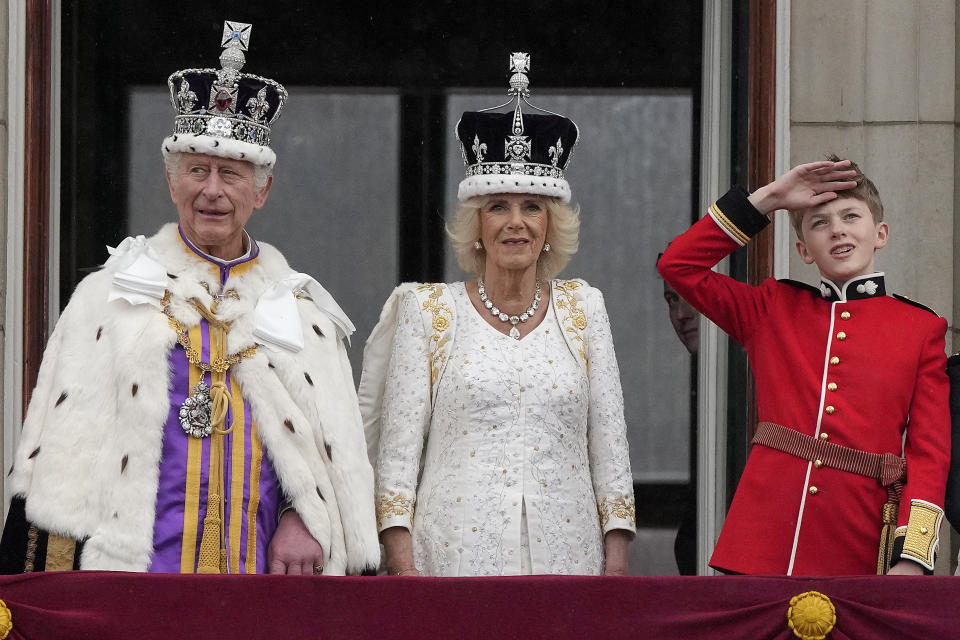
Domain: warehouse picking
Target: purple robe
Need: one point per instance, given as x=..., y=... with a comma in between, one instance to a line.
x=251, y=490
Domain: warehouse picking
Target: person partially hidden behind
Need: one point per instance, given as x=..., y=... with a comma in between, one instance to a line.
x=684, y=319
x=195, y=410
x=836, y=483
x=686, y=322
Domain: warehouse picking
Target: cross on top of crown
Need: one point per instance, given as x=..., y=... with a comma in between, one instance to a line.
x=236, y=34
x=519, y=62
x=519, y=82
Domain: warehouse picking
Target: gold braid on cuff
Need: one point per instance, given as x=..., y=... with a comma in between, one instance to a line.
x=922, y=539
x=620, y=507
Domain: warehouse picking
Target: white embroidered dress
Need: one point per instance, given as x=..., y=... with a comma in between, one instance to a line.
x=525, y=460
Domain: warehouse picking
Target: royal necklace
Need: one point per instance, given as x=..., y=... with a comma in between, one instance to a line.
x=523, y=317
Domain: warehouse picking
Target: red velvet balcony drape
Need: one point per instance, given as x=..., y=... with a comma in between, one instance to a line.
x=144, y=607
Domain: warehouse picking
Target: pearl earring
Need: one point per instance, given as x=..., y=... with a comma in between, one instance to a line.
x=546, y=247
x=477, y=245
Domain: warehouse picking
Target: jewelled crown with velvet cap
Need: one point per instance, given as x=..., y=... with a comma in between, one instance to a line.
x=224, y=112
x=516, y=152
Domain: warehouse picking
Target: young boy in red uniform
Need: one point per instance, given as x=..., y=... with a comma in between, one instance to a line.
x=842, y=372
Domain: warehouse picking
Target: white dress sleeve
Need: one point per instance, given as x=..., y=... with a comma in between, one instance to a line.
x=606, y=427
x=405, y=419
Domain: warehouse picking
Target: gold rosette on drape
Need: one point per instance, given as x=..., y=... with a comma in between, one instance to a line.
x=811, y=615
x=6, y=620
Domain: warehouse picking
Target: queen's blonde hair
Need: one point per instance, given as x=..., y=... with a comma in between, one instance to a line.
x=563, y=234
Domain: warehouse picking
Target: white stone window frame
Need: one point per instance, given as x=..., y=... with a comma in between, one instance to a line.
x=13, y=314
x=712, y=379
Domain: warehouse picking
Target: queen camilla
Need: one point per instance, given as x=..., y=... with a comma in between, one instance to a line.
x=493, y=407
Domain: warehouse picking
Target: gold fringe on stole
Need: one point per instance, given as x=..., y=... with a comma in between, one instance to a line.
x=213, y=553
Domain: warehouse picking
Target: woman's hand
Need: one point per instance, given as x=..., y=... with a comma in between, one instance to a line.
x=804, y=186
x=615, y=552
x=398, y=546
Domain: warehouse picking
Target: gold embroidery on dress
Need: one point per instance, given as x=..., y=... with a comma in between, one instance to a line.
x=574, y=318
x=218, y=365
x=394, y=505
x=441, y=322
x=622, y=507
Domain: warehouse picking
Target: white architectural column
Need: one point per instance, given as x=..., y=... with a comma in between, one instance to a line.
x=13, y=81
x=712, y=361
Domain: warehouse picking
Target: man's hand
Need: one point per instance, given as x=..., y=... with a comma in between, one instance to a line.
x=804, y=186
x=293, y=550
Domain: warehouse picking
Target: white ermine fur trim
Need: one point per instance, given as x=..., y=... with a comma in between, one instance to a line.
x=89, y=454
x=506, y=183
x=222, y=147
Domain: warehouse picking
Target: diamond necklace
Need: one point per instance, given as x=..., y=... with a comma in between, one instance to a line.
x=523, y=317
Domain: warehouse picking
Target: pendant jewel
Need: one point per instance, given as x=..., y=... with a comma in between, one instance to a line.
x=503, y=317
x=195, y=412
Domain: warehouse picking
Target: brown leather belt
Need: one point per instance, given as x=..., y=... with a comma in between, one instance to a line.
x=888, y=469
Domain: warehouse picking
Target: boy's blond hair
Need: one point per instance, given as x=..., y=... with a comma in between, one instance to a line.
x=865, y=191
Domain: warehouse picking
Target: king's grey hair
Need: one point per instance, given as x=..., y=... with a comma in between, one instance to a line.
x=261, y=174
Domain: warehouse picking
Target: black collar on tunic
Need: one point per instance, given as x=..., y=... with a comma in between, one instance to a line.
x=870, y=285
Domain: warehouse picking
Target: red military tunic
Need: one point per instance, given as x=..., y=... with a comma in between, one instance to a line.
x=846, y=364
